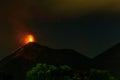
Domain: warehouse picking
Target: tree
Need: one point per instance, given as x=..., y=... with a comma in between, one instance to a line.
x=96, y=74
x=64, y=72
x=51, y=72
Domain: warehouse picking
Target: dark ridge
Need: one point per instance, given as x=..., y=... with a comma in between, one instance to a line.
x=30, y=54
x=110, y=52
x=30, y=46
x=109, y=60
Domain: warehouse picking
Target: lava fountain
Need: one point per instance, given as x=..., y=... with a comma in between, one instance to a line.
x=29, y=38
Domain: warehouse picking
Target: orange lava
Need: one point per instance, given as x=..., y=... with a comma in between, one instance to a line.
x=29, y=38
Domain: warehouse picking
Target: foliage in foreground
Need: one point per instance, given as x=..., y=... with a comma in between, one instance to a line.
x=64, y=72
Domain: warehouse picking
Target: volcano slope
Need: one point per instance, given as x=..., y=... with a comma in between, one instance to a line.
x=109, y=60
x=24, y=58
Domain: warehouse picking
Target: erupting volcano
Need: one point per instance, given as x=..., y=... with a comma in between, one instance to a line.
x=29, y=38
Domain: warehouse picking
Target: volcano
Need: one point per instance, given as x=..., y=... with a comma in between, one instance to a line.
x=26, y=57
x=109, y=60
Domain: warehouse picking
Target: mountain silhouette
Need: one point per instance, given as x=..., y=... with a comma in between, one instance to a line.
x=109, y=60
x=26, y=57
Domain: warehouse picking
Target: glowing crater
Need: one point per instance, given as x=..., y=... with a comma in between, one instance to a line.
x=29, y=38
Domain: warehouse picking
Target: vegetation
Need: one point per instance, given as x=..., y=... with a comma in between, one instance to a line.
x=64, y=72
x=95, y=74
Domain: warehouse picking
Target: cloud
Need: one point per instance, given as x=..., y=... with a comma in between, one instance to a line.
x=26, y=9
x=71, y=7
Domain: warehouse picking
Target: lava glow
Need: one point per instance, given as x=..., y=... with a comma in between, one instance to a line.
x=29, y=38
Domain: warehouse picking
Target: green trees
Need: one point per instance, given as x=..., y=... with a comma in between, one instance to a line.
x=64, y=72
x=51, y=72
x=41, y=72
x=96, y=74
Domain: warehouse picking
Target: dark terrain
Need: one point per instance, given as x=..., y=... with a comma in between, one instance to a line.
x=26, y=57
x=109, y=60
x=22, y=60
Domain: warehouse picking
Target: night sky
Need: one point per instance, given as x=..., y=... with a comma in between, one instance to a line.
x=87, y=26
